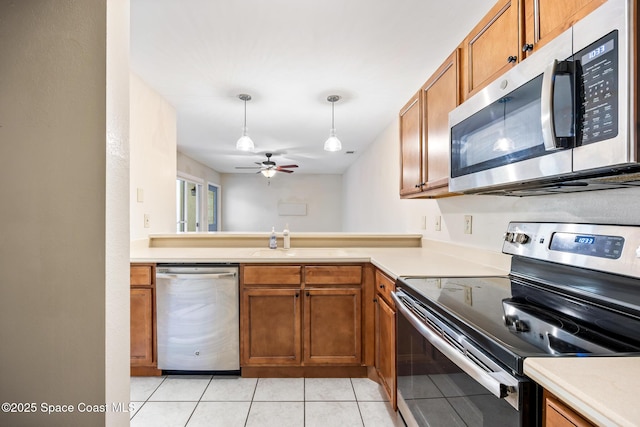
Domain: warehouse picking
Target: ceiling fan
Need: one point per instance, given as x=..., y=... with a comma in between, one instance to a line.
x=268, y=167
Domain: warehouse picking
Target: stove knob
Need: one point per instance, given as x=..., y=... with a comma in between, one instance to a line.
x=516, y=324
x=508, y=237
x=522, y=238
x=520, y=326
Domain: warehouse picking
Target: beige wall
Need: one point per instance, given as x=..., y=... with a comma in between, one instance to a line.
x=153, y=161
x=250, y=203
x=61, y=176
x=371, y=202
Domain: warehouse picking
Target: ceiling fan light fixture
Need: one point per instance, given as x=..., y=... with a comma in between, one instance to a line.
x=269, y=173
x=332, y=143
x=244, y=142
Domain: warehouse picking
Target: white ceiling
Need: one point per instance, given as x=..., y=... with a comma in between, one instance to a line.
x=289, y=55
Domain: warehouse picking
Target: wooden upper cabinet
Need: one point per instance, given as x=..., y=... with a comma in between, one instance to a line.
x=424, y=133
x=440, y=95
x=411, y=147
x=492, y=47
x=546, y=19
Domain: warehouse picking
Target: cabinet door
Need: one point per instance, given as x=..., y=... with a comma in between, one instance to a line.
x=546, y=19
x=557, y=414
x=332, y=326
x=385, y=353
x=270, y=327
x=440, y=95
x=493, y=46
x=141, y=327
x=411, y=147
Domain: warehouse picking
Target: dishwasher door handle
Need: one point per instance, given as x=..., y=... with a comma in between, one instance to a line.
x=198, y=276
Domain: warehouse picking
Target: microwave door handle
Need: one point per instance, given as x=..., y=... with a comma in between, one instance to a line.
x=490, y=380
x=546, y=105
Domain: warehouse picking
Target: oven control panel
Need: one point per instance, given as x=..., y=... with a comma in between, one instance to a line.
x=610, y=248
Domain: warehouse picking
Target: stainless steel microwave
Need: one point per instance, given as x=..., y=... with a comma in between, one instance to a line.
x=562, y=120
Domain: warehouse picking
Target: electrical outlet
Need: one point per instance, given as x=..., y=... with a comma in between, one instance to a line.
x=147, y=221
x=467, y=224
x=438, y=223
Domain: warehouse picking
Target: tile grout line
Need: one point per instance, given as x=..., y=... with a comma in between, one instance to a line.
x=353, y=387
x=253, y=395
x=148, y=397
x=198, y=402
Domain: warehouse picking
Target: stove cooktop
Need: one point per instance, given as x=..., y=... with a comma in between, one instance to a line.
x=506, y=319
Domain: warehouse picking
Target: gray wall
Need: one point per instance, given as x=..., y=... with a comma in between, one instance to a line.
x=57, y=274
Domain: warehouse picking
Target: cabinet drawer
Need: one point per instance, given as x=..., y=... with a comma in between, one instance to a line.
x=141, y=275
x=333, y=275
x=272, y=275
x=384, y=287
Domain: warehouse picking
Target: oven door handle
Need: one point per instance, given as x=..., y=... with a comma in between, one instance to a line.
x=489, y=380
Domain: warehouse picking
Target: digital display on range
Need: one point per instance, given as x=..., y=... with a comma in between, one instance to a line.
x=588, y=240
x=599, y=68
x=588, y=244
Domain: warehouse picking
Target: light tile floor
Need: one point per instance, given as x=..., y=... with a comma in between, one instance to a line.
x=194, y=401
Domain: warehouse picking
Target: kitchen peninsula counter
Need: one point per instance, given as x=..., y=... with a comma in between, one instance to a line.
x=431, y=258
x=602, y=389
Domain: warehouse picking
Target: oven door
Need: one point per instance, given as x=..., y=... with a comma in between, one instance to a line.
x=444, y=380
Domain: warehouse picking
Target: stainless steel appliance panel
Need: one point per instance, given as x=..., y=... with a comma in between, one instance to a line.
x=198, y=318
x=503, y=167
x=614, y=15
x=444, y=381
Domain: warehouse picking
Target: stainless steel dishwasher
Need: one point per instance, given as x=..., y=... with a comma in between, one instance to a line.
x=197, y=308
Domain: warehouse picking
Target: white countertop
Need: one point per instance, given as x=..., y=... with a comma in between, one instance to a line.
x=603, y=390
x=433, y=259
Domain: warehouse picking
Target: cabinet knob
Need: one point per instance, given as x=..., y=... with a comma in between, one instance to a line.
x=375, y=300
x=381, y=286
x=297, y=295
x=527, y=47
x=308, y=294
x=512, y=59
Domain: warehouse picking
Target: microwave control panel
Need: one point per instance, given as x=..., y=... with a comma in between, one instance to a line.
x=599, y=66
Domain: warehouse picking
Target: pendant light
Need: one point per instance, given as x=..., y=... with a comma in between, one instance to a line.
x=332, y=143
x=244, y=142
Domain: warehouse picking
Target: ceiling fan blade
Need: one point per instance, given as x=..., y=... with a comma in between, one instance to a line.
x=248, y=167
x=288, y=166
x=283, y=170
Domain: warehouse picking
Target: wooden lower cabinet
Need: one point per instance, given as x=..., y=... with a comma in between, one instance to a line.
x=332, y=326
x=143, y=356
x=141, y=327
x=310, y=318
x=557, y=414
x=271, y=327
x=385, y=336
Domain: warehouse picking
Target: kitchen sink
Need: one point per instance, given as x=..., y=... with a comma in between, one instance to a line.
x=301, y=253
